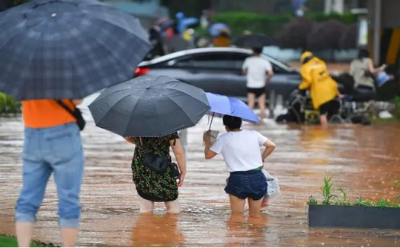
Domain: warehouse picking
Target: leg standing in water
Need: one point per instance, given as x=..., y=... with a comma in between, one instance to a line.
x=261, y=104
x=153, y=186
x=259, y=72
x=52, y=143
x=246, y=180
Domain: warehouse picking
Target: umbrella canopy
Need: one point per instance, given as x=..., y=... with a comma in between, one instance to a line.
x=253, y=41
x=149, y=106
x=223, y=105
x=216, y=29
x=52, y=49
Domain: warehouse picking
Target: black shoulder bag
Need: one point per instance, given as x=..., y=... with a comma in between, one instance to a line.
x=77, y=114
x=160, y=165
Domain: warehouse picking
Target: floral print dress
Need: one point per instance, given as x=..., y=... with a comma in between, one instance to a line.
x=150, y=185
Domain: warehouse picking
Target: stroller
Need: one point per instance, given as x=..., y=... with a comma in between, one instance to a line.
x=301, y=110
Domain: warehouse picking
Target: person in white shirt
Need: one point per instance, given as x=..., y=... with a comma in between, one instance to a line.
x=259, y=72
x=244, y=160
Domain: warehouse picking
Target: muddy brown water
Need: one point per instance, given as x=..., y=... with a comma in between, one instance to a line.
x=364, y=159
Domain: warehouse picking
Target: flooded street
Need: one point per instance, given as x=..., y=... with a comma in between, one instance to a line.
x=364, y=159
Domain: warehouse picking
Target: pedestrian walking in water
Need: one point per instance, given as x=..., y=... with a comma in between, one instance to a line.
x=244, y=160
x=52, y=144
x=66, y=49
x=259, y=72
x=153, y=186
x=149, y=111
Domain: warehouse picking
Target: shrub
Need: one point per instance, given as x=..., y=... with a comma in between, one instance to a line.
x=271, y=25
x=348, y=40
x=325, y=36
x=295, y=33
x=8, y=105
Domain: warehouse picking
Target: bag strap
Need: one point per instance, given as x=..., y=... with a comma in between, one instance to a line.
x=62, y=104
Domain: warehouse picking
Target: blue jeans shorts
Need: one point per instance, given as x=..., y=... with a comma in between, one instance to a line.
x=247, y=184
x=55, y=150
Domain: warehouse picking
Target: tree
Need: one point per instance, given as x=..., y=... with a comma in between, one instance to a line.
x=325, y=36
x=294, y=34
x=348, y=40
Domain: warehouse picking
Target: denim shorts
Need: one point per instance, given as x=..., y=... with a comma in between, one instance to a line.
x=56, y=150
x=247, y=184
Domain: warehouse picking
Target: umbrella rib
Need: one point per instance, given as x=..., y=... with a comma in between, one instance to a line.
x=177, y=105
x=184, y=93
x=112, y=54
x=133, y=110
x=123, y=98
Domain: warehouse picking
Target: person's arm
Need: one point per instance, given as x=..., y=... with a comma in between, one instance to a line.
x=210, y=150
x=269, y=71
x=269, y=145
x=306, y=80
x=179, y=153
x=374, y=70
x=130, y=140
x=244, y=67
x=269, y=148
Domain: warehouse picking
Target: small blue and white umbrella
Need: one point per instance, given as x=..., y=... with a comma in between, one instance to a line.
x=216, y=29
x=223, y=105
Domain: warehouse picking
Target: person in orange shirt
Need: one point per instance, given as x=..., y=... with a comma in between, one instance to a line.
x=52, y=144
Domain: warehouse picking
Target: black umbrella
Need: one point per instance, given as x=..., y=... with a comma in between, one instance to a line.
x=149, y=106
x=253, y=41
x=56, y=49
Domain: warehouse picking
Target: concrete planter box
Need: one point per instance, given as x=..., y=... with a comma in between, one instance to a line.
x=353, y=217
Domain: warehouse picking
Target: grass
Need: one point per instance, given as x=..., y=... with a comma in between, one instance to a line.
x=330, y=199
x=8, y=241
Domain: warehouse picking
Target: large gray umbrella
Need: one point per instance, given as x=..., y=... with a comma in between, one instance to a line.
x=56, y=49
x=149, y=106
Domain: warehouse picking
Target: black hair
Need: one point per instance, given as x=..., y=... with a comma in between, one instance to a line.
x=363, y=53
x=257, y=50
x=232, y=122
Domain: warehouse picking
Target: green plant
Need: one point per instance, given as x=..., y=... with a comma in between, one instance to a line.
x=396, y=183
x=363, y=203
x=312, y=201
x=383, y=203
x=8, y=104
x=271, y=25
x=344, y=193
x=326, y=190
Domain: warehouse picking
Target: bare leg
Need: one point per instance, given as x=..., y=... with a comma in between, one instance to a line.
x=69, y=236
x=237, y=204
x=173, y=207
x=251, y=100
x=254, y=207
x=261, y=104
x=146, y=206
x=24, y=233
x=324, y=121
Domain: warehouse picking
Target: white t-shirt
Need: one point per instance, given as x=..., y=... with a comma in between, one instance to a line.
x=257, y=68
x=241, y=150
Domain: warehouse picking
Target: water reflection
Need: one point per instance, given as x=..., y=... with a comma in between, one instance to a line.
x=246, y=231
x=156, y=230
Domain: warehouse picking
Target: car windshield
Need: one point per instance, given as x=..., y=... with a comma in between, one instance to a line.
x=277, y=62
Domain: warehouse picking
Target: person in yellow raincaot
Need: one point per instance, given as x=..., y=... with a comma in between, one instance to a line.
x=223, y=40
x=323, y=89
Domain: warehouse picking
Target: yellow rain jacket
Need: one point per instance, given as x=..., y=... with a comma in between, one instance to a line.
x=315, y=76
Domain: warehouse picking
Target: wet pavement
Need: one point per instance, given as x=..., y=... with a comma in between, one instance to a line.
x=364, y=159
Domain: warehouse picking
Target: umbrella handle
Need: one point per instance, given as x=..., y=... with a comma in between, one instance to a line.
x=212, y=118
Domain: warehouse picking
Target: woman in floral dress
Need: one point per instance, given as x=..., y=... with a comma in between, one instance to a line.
x=153, y=186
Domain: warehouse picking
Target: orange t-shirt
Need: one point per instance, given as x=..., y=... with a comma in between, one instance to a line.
x=46, y=113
